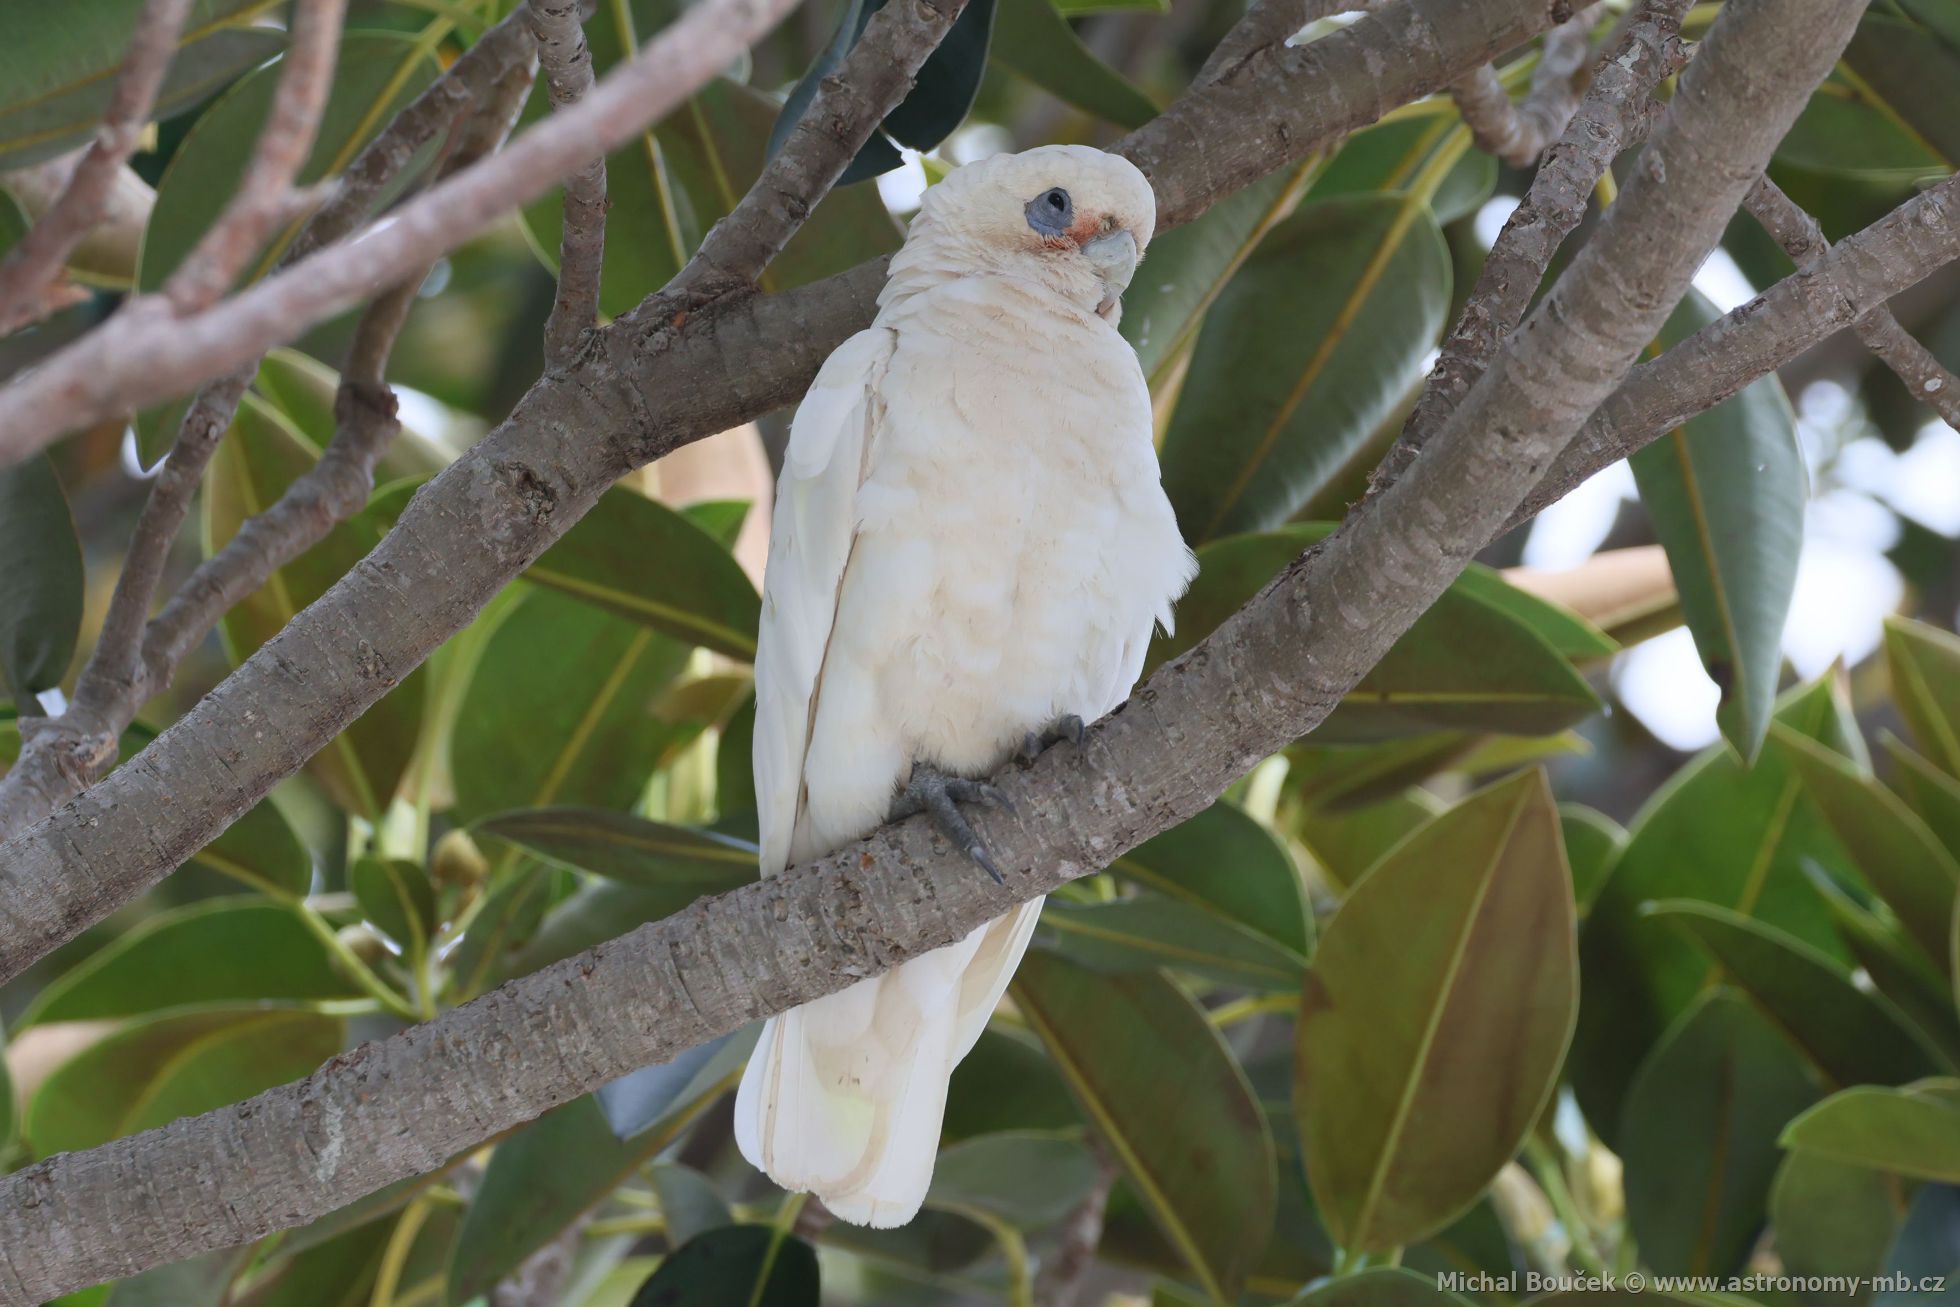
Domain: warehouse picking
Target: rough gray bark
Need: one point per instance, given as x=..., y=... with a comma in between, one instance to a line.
x=566, y=62
x=655, y=379
x=1272, y=671
x=1518, y=133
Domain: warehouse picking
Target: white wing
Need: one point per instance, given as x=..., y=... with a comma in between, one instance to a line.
x=810, y=544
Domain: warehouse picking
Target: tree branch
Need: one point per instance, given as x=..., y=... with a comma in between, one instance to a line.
x=1518, y=133
x=874, y=77
x=525, y=484
x=1266, y=24
x=566, y=62
x=1269, y=673
x=1615, y=110
x=266, y=196
x=32, y=264
x=1925, y=377
x=136, y=359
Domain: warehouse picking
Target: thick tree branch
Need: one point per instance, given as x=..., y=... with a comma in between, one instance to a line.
x=1859, y=274
x=1615, y=110
x=139, y=358
x=1266, y=24
x=566, y=62
x=1519, y=133
x=1925, y=377
x=266, y=196
x=526, y=483
x=132, y=661
x=1271, y=672
x=852, y=101
x=34, y=262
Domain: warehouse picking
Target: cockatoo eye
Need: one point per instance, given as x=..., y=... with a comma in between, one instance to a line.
x=1051, y=212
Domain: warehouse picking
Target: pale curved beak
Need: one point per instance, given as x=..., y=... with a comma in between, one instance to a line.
x=1115, y=260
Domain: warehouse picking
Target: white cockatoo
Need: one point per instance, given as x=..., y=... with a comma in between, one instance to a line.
x=971, y=547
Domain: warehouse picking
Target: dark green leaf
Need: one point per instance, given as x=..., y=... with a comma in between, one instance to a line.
x=506, y=923
x=1143, y=1062
x=339, y=1272
x=1402, y=153
x=1230, y=866
x=1593, y=842
x=56, y=78
x=1898, y=856
x=1387, y=1286
x=1909, y=81
x=1442, y=992
x=41, y=583
x=698, y=593
x=1147, y=932
x=1468, y=663
x=396, y=897
x=1570, y=634
x=561, y=709
x=752, y=1264
x=1346, y=841
x=1302, y=354
x=226, y=950
x=1006, y=1083
x=1925, y=663
x=1717, y=832
x=260, y=456
x=1726, y=496
x=1931, y=793
x=1913, y=1132
x=1034, y=40
x=678, y=862
x=1852, y=1036
x=156, y=1069
x=1028, y=1180
x=1699, y=1135
x=1832, y=1218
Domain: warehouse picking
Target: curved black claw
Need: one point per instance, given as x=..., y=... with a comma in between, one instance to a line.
x=1067, y=727
x=932, y=792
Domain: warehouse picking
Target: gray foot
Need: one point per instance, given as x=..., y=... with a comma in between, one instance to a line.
x=1068, y=727
x=932, y=792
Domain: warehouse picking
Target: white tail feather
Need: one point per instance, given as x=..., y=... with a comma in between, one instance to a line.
x=844, y=1096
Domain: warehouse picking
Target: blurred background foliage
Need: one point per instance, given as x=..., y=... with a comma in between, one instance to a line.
x=1702, y=751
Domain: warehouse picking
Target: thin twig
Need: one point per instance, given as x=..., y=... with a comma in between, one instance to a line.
x=848, y=107
x=265, y=191
x=1614, y=111
x=566, y=62
x=1519, y=133
x=1803, y=240
x=33, y=263
x=133, y=360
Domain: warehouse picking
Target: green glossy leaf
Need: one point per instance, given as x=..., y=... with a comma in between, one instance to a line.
x=1442, y=992
x=546, y=1175
x=377, y=74
x=1913, y=1132
x=1230, y=866
x=1006, y=1084
x=1143, y=1062
x=1726, y=493
x=337, y=1272
x=1402, y=154
x=1699, y=1135
x=1930, y=792
x=1033, y=39
x=648, y=855
x=1468, y=663
x=261, y=850
x=41, y=584
x=1852, y=1036
x=1850, y=126
x=1187, y=267
x=1898, y=968
x=561, y=709
x=396, y=897
x=1716, y=832
x=1833, y=1218
x=697, y=593
x=1304, y=351
x=508, y=920
x=1909, y=80
x=156, y=1069
x=224, y=950
x=1593, y=843
x=1925, y=664
x=1028, y=1180
x=1147, y=932
x=56, y=78
x=1387, y=1286
x=754, y=1264
x=1899, y=857
x=1346, y=841
x=1570, y=634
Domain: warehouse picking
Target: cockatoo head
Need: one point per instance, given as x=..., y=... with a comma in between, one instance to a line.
x=1069, y=217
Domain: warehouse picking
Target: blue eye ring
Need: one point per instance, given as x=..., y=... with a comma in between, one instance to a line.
x=1051, y=212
